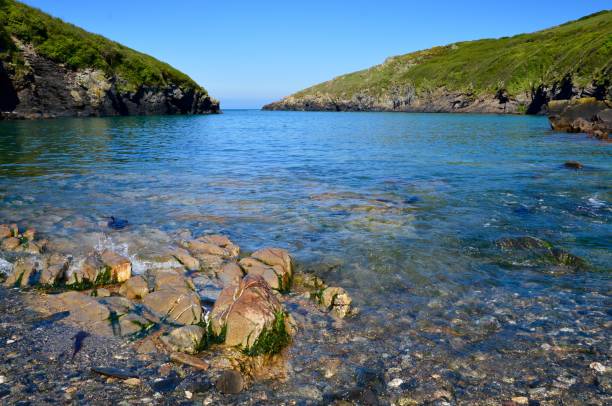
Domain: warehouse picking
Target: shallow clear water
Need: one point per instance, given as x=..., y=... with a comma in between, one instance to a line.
x=401, y=209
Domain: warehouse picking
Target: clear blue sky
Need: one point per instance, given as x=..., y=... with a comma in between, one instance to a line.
x=247, y=53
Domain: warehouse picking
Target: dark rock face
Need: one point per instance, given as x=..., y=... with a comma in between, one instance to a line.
x=49, y=89
x=587, y=115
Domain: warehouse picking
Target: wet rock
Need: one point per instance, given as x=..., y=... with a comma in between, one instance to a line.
x=229, y=382
x=201, y=247
x=337, y=301
x=135, y=288
x=573, y=165
x=114, y=372
x=186, y=339
x=166, y=384
x=179, y=305
x=222, y=241
x=248, y=311
x=26, y=273
x=170, y=279
x=91, y=272
x=186, y=259
x=275, y=275
x=209, y=262
x=196, y=383
x=276, y=257
x=208, y=289
x=230, y=273
x=117, y=223
x=537, y=250
x=56, y=268
x=120, y=267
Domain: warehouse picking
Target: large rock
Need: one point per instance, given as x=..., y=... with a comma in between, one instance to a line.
x=186, y=339
x=26, y=273
x=55, y=271
x=587, y=115
x=229, y=273
x=119, y=266
x=174, y=298
x=272, y=264
x=222, y=241
x=87, y=312
x=135, y=288
x=183, y=256
x=250, y=311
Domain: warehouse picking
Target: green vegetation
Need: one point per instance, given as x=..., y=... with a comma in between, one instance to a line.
x=518, y=64
x=77, y=48
x=271, y=341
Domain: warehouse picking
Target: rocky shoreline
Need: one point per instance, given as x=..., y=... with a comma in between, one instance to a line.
x=587, y=115
x=206, y=308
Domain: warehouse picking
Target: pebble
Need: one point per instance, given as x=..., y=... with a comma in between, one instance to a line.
x=188, y=394
x=2, y=379
x=396, y=383
x=597, y=367
x=521, y=400
x=9, y=341
x=132, y=381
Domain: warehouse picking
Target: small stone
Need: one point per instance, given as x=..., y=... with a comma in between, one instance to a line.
x=229, y=382
x=395, y=383
x=132, y=382
x=102, y=292
x=598, y=367
x=188, y=394
x=2, y=379
x=521, y=400
x=10, y=244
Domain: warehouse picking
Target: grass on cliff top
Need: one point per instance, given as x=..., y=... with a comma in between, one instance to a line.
x=518, y=64
x=77, y=48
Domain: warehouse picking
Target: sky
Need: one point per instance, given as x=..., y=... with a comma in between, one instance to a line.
x=248, y=53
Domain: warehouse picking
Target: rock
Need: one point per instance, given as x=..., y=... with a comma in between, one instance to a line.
x=222, y=241
x=186, y=339
x=209, y=262
x=598, y=367
x=201, y=247
x=115, y=372
x=90, y=273
x=587, y=115
x=521, y=400
x=208, y=289
x=275, y=257
x=135, y=288
x=55, y=271
x=26, y=273
x=274, y=275
x=10, y=244
x=102, y=292
x=5, y=231
x=119, y=266
x=132, y=382
x=395, y=383
x=230, y=273
x=87, y=311
x=186, y=259
x=337, y=301
x=247, y=312
x=573, y=165
x=117, y=223
x=180, y=305
x=190, y=360
x=538, y=250
x=229, y=382
x=29, y=234
x=170, y=278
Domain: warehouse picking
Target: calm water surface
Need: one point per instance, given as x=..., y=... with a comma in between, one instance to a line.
x=403, y=210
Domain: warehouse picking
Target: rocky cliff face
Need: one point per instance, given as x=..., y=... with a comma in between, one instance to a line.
x=586, y=115
x=49, y=89
x=444, y=101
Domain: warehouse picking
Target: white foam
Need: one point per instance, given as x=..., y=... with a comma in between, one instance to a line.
x=5, y=266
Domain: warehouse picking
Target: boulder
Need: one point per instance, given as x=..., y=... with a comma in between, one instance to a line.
x=209, y=262
x=26, y=273
x=179, y=305
x=275, y=257
x=87, y=312
x=222, y=241
x=229, y=273
x=250, y=316
x=91, y=272
x=55, y=271
x=5, y=231
x=187, y=339
x=120, y=267
x=337, y=301
x=202, y=247
x=274, y=275
x=170, y=278
x=135, y=288
x=186, y=259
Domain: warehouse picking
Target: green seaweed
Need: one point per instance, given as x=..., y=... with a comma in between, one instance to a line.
x=271, y=340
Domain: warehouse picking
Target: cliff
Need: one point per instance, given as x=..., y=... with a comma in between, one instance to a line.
x=518, y=74
x=49, y=68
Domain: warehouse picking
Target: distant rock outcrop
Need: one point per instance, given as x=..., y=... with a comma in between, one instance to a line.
x=587, y=115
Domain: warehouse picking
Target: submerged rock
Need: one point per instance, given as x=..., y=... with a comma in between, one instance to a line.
x=572, y=165
x=186, y=339
x=251, y=317
x=535, y=249
x=337, y=301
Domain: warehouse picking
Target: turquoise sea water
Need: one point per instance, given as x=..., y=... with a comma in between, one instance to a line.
x=403, y=210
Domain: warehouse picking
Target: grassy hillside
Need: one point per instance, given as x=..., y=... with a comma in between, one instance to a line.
x=77, y=48
x=581, y=48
